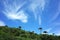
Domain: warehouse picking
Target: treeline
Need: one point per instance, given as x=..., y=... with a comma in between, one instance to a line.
x=7, y=33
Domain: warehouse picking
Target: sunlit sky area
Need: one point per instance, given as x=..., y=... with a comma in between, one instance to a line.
x=31, y=14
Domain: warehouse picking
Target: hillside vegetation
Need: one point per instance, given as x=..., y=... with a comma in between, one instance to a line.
x=7, y=33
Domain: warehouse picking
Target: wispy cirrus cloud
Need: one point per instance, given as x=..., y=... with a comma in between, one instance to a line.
x=12, y=9
x=17, y=16
x=2, y=23
x=12, y=13
x=37, y=7
x=37, y=3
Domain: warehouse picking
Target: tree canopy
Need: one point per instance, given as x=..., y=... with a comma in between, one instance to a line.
x=7, y=33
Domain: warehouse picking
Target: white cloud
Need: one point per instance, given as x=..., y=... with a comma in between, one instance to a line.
x=37, y=7
x=35, y=4
x=17, y=16
x=2, y=23
x=12, y=13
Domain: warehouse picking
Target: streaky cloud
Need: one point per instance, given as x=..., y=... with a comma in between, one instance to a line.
x=35, y=4
x=37, y=7
x=11, y=11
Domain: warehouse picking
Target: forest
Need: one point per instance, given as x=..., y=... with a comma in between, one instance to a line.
x=8, y=33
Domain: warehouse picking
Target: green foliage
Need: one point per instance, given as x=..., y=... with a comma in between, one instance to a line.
x=7, y=33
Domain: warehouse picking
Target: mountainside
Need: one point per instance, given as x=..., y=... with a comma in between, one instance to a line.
x=7, y=33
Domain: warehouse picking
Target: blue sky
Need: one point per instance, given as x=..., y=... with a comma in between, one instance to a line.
x=31, y=14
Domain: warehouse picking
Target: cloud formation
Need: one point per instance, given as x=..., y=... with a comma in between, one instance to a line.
x=2, y=23
x=35, y=4
x=17, y=16
x=37, y=7
x=11, y=11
